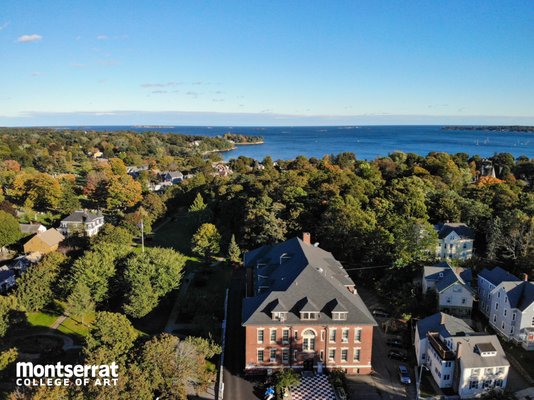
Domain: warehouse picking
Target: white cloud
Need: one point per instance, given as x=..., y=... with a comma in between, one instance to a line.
x=102, y=37
x=159, y=85
x=4, y=25
x=29, y=38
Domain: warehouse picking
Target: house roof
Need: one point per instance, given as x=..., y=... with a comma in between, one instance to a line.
x=174, y=174
x=51, y=237
x=444, y=276
x=82, y=216
x=279, y=307
x=446, y=325
x=520, y=294
x=304, y=278
x=6, y=274
x=462, y=230
x=30, y=228
x=497, y=275
x=470, y=356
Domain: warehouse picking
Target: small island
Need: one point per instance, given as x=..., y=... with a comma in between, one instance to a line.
x=491, y=128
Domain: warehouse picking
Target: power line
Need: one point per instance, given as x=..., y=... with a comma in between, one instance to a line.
x=362, y=268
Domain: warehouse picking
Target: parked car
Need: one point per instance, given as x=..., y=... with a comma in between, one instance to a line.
x=397, y=355
x=404, y=375
x=381, y=313
x=399, y=344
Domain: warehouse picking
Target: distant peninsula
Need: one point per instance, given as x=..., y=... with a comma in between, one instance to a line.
x=493, y=128
x=242, y=139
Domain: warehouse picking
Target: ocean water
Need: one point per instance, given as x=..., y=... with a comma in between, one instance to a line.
x=367, y=142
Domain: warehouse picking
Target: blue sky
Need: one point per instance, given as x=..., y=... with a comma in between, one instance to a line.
x=266, y=62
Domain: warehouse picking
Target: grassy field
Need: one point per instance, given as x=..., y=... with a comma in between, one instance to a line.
x=41, y=319
x=74, y=327
x=69, y=326
x=176, y=233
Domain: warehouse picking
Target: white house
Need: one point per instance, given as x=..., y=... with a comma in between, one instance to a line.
x=172, y=177
x=444, y=324
x=452, y=286
x=481, y=365
x=511, y=311
x=458, y=358
x=455, y=241
x=487, y=280
x=82, y=222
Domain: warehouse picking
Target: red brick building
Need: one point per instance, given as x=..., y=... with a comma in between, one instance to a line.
x=302, y=311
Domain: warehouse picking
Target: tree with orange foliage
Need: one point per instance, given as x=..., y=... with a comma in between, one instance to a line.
x=487, y=181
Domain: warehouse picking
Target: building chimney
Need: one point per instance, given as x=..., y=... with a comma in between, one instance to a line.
x=306, y=237
x=525, y=277
x=458, y=350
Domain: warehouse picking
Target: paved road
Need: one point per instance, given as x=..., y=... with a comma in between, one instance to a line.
x=235, y=386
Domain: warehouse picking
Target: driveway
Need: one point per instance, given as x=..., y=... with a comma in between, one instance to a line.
x=235, y=386
x=384, y=383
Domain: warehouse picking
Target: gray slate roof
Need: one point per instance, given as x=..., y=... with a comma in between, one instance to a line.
x=471, y=358
x=174, y=174
x=78, y=217
x=449, y=275
x=29, y=228
x=6, y=274
x=446, y=325
x=497, y=275
x=462, y=230
x=520, y=294
x=307, y=277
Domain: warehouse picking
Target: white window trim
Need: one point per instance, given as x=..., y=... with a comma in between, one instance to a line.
x=258, y=335
x=345, y=329
x=271, y=330
x=356, y=340
x=341, y=354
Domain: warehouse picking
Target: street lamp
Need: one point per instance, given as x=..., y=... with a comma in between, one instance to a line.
x=423, y=365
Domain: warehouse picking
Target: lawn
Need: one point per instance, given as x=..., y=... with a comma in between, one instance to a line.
x=69, y=326
x=75, y=327
x=175, y=233
x=41, y=319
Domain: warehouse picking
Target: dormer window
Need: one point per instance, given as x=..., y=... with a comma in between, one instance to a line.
x=486, y=350
x=339, y=316
x=279, y=316
x=309, y=315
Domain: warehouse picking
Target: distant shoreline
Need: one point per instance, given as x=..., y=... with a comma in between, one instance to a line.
x=249, y=143
x=491, y=128
x=233, y=148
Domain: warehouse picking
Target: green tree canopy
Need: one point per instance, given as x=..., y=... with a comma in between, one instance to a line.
x=79, y=302
x=148, y=277
x=206, y=241
x=112, y=235
x=234, y=253
x=112, y=333
x=9, y=229
x=35, y=288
